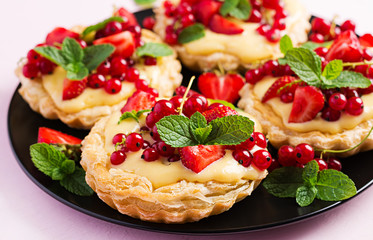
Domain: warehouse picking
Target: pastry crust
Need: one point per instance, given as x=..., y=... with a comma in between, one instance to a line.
x=279, y=135
x=39, y=100
x=298, y=32
x=135, y=195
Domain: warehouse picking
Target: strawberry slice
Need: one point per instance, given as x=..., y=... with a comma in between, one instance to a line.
x=222, y=25
x=58, y=35
x=73, y=88
x=308, y=102
x=204, y=10
x=47, y=135
x=221, y=87
x=197, y=158
x=272, y=92
x=366, y=40
x=123, y=42
x=218, y=112
x=140, y=100
x=125, y=13
x=346, y=47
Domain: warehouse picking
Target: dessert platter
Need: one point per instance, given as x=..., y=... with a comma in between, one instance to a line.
x=97, y=104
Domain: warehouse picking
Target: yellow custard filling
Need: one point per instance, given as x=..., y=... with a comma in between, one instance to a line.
x=161, y=172
x=283, y=110
x=250, y=46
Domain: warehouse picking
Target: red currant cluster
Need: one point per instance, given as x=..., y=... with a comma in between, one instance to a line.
x=303, y=153
x=37, y=65
x=270, y=68
x=148, y=22
x=324, y=30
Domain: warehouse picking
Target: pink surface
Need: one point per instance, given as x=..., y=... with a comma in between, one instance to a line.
x=29, y=213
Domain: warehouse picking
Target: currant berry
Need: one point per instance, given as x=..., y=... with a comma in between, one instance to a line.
x=337, y=101
x=354, y=106
x=304, y=153
x=153, y=92
x=321, y=26
x=335, y=164
x=150, y=155
x=256, y=16
x=141, y=84
x=263, y=29
x=367, y=54
x=321, y=51
x=171, y=38
x=118, y=66
x=112, y=28
x=279, y=24
x=30, y=70
x=287, y=97
x=96, y=80
x=45, y=66
x=273, y=35
x=348, y=25
x=146, y=144
x=317, y=38
x=253, y=76
x=104, y=68
x=271, y=67
x=113, y=86
x=196, y=103
x=148, y=23
x=174, y=158
x=330, y=115
x=271, y=4
x=150, y=61
x=243, y=157
x=33, y=56
x=154, y=133
x=262, y=159
x=286, y=156
x=134, y=142
x=135, y=30
x=322, y=164
x=117, y=157
x=118, y=138
x=151, y=120
x=183, y=9
x=132, y=75
x=164, y=149
x=260, y=139
x=187, y=20
x=164, y=108
x=176, y=101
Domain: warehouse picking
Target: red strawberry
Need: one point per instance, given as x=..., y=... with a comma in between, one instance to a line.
x=204, y=10
x=308, y=102
x=73, y=88
x=125, y=13
x=58, y=35
x=197, y=158
x=180, y=91
x=279, y=83
x=222, y=25
x=346, y=47
x=140, y=100
x=123, y=42
x=366, y=40
x=221, y=87
x=47, y=135
x=218, y=112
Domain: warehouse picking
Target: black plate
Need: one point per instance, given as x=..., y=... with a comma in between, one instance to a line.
x=259, y=211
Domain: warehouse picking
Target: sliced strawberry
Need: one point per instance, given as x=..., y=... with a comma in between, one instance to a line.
x=125, y=13
x=197, y=158
x=222, y=25
x=140, y=100
x=218, y=112
x=279, y=83
x=346, y=47
x=73, y=88
x=204, y=10
x=180, y=91
x=221, y=87
x=308, y=102
x=123, y=42
x=366, y=40
x=58, y=35
x=47, y=135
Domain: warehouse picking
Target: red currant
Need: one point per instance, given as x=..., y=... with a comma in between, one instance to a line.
x=335, y=164
x=321, y=26
x=148, y=23
x=304, y=153
x=150, y=155
x=337, y=101
x=270, y=67
x=96, y=80
x=135, y=30
x=164, y=108
x=260, y=139
x=104, y=68
x=317, y=38
x=287, y=97
x=215, y=105
x=348, y=25
x=141, y=84
x=321, y=51
x=243, y=157
x=286, y=156
x=118, y=138
x=33, y=56
x=154, y=133
x=118, y=157
x=153, y=92
x=196, y=103
x=273, y=35
x=164, y=149
x=30, y=70
x=262, y=159
x=113, y=86
x=248, y=144
x=112, y=28
x=271, y=4
x=354, y=106
x=118, y=66
x=330, y=115
x=171, y=38
x=252, y=76
x=45, y=66
x=132, y=75
x=134, y=142
x=176, y=101
x=150, y=61
x=187, y=20
x=255, y=17
x=322, y=164
x=367, y=54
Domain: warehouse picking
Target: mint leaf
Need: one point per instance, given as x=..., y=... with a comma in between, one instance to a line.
x=305, y=195
x=76, y=71
x=310, y=173
x=76, y=183
x=144, y=2
x=46, y=158
x=286, y=44
x=333, y=69
x=72, y=51
x=333, y=185
x=228, y=6
x=154, y=50
x=197, y=120
x=230, y=130
x=312, y=45
x=174, y=131
x=199, y=128
x=348, y=79
x=284, y=182
x=68, y=166
x=133, y=114
x=57, y=174
x=71, y=151
x=100, y=25
x=94, y=55
x=305, y=63
x=53, y=54
x=201, y=134
x=191, y=33
x=242, y=11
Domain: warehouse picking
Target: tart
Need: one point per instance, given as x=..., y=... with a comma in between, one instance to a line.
x=134, y=171
x=79, y=104
x=231, y=41
x=338, y=118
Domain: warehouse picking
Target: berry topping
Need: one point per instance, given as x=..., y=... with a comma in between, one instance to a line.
x=262, y=159
x=354, y=106
x=118, y=138
x=195, y=103
x=274, y=90
x=124, y=43
x=218, y=112
x=150, y=155
x=47, y=135
x=58, y=35
x=118, y=157
x=164, y=149
x=243, y=157
x=346, y=47
x=113, y=86
x=286, y=156
x=222, y=25
x=304, y=153
x=134, y=142
x=140, y=100
x=197, y=158
x=73, y=88
x=148, y=23
x=204, y=10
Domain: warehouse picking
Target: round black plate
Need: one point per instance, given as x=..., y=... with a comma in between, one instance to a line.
x=259, y=211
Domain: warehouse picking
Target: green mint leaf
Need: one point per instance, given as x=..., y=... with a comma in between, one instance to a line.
x=333, y=69
x=174, y=130
x=312, y=45
x=201, y=134
x=100, y=25
x=230, y=130
x=68, y=166
x=72, y=152
x=225, y=103
x=72, y=51
x=284, y=182
x=133, y=114
x=310, y=173
x=197, y=120
x=94, y=55
x=199, y=128
x=286, y=44
x=57, y=174
x=53, y=54
x=154, y=50
x=76, y=183
x=46, y=158
x=144, y=2
x=306, y=64
x=76, y=71
x=333, y=185
x=305, y=195
x=348, y=79
x=191, y=33
x=228, y=6
x=242, y=11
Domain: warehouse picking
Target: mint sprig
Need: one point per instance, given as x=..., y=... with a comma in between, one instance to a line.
x=154, y=50
x=100, y=25
x=309, y=183
x=240, y=9
x=144, y=2
x=78, y=62
x=307, y=65
x=132, y=114
x=180, y=131
x=53, y=163
x=191, y=33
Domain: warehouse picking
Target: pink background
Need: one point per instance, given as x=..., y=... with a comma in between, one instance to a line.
x=29, y=213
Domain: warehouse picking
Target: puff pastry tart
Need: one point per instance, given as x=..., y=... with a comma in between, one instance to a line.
x=85, y=79
x=133, y=170
x=327, y=112
x=230, y=34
